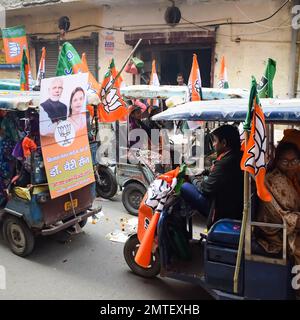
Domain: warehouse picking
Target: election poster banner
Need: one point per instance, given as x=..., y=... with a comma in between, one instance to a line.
x=63, y=131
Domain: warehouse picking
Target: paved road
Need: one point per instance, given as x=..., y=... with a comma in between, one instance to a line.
x=89, y=266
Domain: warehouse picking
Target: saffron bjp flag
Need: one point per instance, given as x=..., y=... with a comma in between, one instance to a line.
x=14, y=40
x=265, y=86
x=93, y=85
x=223, y=78
x=42, y=68
x=254, y=160
x=69, y=61
x=119, y=82
x=112, y=106
x=154, y=81
x=25, y=73
x=149, y=212
x=195, y=83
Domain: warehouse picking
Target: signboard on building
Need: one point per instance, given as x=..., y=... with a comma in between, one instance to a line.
x=63, y=132
x=109, y=43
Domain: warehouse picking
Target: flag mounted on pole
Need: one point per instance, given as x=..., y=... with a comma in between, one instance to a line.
x=154, y=81
x=112, y=106
x=119, y=82
x=223, y=78
x=25, y=73
x=254, y=160
x=14, y=40
x=265, y=86
x=93, y=85
x=195, y=83
x=42, y=68
x=69, y=61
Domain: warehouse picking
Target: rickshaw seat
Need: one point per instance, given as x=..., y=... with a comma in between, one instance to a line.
x=225, y=232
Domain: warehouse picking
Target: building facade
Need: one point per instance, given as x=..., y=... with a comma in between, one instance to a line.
x=246, y=32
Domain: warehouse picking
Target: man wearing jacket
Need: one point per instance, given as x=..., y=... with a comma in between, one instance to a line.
x=218, y=193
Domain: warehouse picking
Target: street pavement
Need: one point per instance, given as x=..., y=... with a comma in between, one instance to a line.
x=87, y=266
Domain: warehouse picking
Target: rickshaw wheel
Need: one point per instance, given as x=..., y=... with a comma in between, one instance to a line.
x=18, y=236
x=132, y=197
x=107, y=185
x=130, y=249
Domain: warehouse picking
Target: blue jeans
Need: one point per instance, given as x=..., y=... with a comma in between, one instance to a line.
x=195, y=198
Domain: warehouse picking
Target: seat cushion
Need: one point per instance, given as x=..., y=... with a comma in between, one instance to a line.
x=225, y=232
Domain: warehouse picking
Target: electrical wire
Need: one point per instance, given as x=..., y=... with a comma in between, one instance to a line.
x=80, y=28
x=255, y=21
x=259, y=24
x=242, y=23
x=205, y=27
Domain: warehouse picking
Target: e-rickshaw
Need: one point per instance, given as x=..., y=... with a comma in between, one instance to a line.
x=28, y=210
x=226, y=262
x=134, y=179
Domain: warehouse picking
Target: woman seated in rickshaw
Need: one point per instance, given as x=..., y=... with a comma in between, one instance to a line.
x=218, y=193
x=282, y=180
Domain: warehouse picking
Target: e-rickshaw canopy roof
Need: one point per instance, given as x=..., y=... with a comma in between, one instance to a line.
x=13, y=84
x=18, y=100
x=275, y=110
x=165, y=92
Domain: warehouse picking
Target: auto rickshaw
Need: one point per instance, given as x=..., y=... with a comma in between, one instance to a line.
x=226, y=261
x=28, y=210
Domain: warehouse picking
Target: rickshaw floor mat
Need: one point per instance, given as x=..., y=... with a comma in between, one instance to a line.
x=195, y=265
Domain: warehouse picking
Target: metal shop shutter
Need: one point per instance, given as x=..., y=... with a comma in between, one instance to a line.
x=87, y=45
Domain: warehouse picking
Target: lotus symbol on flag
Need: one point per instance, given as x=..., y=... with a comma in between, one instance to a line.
x=157, y=190
x=221, y=83
x=111, y=101
x=14, y=49
x=197, y=86
x=256, y=159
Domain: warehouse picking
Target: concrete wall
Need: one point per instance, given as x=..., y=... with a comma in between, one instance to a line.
x=36, y=21
x=246, y=47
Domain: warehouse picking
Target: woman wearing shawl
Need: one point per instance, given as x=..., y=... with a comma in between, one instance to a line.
x=283, y=182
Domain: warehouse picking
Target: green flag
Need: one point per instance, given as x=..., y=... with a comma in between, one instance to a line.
x=265, y=86
x=25, y=73
x=252, y=95
x=69, y=61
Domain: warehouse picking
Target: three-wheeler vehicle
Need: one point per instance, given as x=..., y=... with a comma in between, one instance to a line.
x=27, y=209
x=226, y=261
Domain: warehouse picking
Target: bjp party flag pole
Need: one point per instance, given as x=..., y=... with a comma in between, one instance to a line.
x=42, y=69
x=93, y=85
x=253, y=162
x=14, y=40
x=195, y=89
x=112, y=106
x=25, y=73
x=223, y=78
x=119, y=81
x=154, y=81
x=195, y=83
x=265, y=86
x=125, y=63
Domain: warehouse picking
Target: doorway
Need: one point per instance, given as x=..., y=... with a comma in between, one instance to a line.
x=170, y=60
